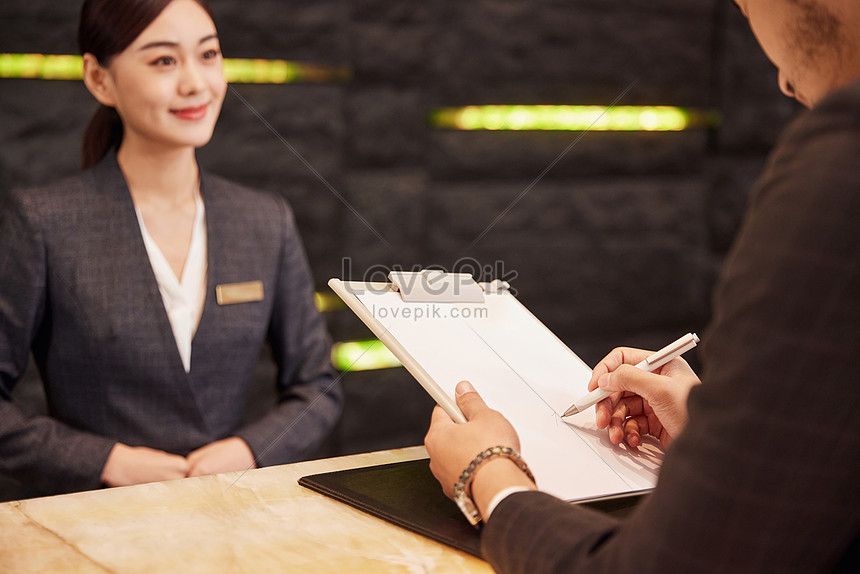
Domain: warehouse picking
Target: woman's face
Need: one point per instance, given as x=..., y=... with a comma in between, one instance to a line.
x=168, y=85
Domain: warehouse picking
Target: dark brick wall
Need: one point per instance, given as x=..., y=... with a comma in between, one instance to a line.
x=620, y=243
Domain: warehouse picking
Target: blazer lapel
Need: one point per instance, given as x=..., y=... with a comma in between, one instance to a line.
x=129, y=258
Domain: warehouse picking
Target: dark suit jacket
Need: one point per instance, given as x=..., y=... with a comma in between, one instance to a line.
x=765, y=476
x=77, y=288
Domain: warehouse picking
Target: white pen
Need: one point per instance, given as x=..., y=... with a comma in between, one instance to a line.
x=651, y=363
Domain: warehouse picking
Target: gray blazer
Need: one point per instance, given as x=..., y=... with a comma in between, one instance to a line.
x=77, y=288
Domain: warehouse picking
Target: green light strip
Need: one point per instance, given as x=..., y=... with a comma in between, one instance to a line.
x=54, y=67
x=258, y=71
x=326, y=302
x=362, y=356
x=236, y=71
x=575, y=118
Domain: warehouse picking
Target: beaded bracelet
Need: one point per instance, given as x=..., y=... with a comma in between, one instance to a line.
x=462, y=494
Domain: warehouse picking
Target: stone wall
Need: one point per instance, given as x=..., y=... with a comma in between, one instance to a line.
x=619, y=244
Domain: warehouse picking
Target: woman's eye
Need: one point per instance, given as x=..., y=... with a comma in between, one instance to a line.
x=164, y=61
x=210, y=54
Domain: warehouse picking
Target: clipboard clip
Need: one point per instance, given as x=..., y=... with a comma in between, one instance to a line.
x=435, y=286
x=495, y=286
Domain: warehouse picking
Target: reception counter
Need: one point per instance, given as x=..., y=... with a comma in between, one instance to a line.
x=259, y=521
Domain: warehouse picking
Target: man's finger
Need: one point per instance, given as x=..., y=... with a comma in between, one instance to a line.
x=603, y=413
x=634, y=404
x=650, y=386
x=619, y=356
x=604, y=409
x=439, y=416
x=469, y=401
x=606, y=364
x=621, y=411
x=633, y=430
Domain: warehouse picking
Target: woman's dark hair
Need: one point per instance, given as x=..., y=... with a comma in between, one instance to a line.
x=107, y=27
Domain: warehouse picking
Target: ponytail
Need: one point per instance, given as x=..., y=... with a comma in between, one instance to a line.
x=104, y=132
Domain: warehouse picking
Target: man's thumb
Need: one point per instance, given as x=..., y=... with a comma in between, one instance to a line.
x=468, y=399
x=629, y=378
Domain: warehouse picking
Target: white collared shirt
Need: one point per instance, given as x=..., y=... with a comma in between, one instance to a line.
x=183, y=299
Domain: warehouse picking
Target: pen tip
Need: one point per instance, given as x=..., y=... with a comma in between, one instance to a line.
x=570, y=411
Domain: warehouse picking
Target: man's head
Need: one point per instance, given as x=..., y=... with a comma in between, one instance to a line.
x=815, y=44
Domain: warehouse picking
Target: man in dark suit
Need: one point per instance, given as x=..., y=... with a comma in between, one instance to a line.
x=761, y=474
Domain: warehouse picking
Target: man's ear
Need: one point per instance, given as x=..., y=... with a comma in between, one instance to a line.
x=98, y=81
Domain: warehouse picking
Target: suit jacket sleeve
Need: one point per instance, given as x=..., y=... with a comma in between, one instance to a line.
x=38, y=450
x=764, y=477
x=309, y=395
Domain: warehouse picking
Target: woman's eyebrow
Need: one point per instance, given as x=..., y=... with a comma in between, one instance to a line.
x=168, y=44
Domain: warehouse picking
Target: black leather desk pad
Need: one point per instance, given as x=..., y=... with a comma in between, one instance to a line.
x=408, y=495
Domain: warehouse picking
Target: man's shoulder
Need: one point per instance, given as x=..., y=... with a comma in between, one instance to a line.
x=836, y=115
x=816, y=156
x=842, y=100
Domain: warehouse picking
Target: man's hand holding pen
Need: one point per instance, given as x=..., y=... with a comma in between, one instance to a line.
x=652, y=403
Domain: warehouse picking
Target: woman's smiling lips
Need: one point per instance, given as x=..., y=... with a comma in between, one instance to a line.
x=191, y=113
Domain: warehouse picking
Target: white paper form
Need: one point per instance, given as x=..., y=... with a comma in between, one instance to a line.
x=522, y=370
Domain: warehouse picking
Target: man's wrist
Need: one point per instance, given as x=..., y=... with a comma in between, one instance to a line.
x=495, y=476
x=502, y=476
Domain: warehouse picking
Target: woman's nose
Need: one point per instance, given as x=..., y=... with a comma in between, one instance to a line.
x=192, y=80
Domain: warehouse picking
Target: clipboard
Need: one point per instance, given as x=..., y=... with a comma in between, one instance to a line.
x=445, y=327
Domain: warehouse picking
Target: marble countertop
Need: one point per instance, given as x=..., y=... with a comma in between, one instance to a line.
x=257, y=521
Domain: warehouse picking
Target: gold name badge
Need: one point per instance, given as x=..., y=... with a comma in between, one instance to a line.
x=231, y=293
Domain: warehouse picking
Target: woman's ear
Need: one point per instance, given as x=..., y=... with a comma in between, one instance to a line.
x=98, y=80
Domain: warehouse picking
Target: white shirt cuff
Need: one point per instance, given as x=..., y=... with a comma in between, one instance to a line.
x=500, y=496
